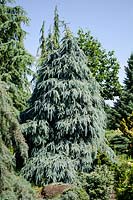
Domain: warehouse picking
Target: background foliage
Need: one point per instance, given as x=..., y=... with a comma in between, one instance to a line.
x=103, y=65
x=15, y=60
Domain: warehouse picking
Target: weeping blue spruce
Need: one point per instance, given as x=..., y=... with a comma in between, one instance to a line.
x=64, y=124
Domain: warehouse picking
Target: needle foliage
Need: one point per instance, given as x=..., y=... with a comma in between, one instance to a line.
x=64, y=124
x=13, y=149
x=15, y=60
x=123, y=107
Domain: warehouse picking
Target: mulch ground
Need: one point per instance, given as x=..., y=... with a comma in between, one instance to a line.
x=53, y=190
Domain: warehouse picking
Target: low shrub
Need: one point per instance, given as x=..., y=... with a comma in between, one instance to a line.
x=124, y=181
x=99, y=183
x=75, y=194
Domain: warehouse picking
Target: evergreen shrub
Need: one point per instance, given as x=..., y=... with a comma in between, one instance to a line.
x=99, y=183
x=124, y=180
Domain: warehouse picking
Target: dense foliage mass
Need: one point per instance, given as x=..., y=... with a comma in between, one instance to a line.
x=13, y=83
x=15, y=60
x=124, y=181
x=123, y=107
x=103, y=65
x=119, y=142
x=99, y=183
x=65, y=118
x=13, y=149
x=10, y=130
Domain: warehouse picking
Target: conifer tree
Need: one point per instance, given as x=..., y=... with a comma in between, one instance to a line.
x=52, y=41
x=129, y=75
x=10, y=132
x=56, y=29
x=123, y=107
x=64, y=124
x=42, y=47
x=15, y=60
x=49, y=43
x=13, y=149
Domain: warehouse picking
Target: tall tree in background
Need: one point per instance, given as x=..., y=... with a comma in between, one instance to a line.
x=103, y=65
x=64, y=125
x=15, y=60
x=123, y=107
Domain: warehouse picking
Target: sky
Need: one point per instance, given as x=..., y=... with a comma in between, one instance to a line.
x=110, y=21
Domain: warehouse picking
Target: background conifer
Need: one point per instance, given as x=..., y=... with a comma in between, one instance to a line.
x=123, y=107
x=15, y=60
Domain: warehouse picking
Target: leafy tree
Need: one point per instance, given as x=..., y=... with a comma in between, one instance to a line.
x=15, y=60
x=123, y=107
x=64, y=124
x=103, y=65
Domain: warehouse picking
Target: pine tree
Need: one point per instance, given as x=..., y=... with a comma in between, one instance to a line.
x=64, y=125
x=103, y=65
x=15, y=60
x=123, y=107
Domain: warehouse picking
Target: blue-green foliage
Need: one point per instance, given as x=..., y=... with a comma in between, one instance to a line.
x=64, y=125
